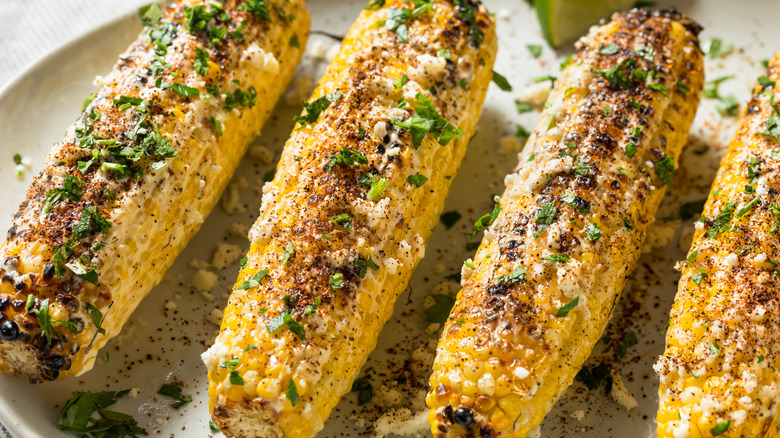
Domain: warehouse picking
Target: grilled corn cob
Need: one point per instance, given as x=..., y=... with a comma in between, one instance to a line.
x=546, y=276
x=134, y=177
x=718, y=373
x=344, y=222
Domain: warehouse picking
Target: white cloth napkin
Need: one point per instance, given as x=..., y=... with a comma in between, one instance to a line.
x=31, y=29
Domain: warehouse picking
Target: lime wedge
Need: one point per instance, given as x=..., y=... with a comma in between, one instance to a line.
x=565, y=20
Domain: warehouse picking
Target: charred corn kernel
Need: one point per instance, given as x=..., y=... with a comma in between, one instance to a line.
x=719, y=371
x=130, y=184
x=359, y=188
x=571, y=223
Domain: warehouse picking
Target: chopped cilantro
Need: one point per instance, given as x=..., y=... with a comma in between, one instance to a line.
x=292, y=393
x=661, y=88
x=720, y=428
x=316, y=107
x=450, y=218
x=719, y=48
x=286, y=319
x=364, y=389
x=428, y=120
x=630, y=149
x=342, y=219
x=592, y=231
x=174, y=390
x=523, y=107
x=72, y=189
x=254, y=281
x=501, y=81
x=363, y=265
x=417, y=180
x=150, y=14
x=289, y=250
x=749, y=206
x=440, y=310
x=486, y=219
x=78, y=416
x=665, y=169
x=610, y=49
x=336, y=281
x=97, y=318
x=534, y=49
x=714, y=348
x=564, y=311
x=201, y=61
x=517, y=275
x=345, y=157
x=721, y=224
x=559, y=258
x=545, y=215
x=628, y=341
x=401, y=82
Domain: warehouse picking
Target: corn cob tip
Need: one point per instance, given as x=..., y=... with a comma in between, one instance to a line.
x=241, y=418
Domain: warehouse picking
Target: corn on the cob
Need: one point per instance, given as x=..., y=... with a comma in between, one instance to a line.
x=719, y=371
x=545, y=278
x=344, y=222
x=134, y=177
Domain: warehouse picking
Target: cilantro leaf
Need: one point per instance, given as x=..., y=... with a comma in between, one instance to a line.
x=316, y=107
x=428, y=120
x=364, y=389
x=563, y=311
x=440, y=310
x=501, y=81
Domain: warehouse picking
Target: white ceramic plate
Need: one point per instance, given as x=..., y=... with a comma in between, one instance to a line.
x=160, y=345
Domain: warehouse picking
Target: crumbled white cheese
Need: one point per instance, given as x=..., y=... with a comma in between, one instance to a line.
x=429, y=69
x=521, y=373
x=198, y=264
x=402, y=422
x=239, y=229
x=207, y=296
x=683, y=428
x=231, y=201
x=317, y=50
x=261, y=153
x=578, y=415
x=535, y=94
x=170, y=305
x=620, y=394
x=536, y=432
x=660, y=235
x=487, y=384
x=215, y=316
x=225, y=255
x=731, y=260
x=739, y=416
x=333, y=50
x=212, y=356
x=262, y=60
x=388, y=397
x=204, y=281
x=509, y=145
x=134, y=392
